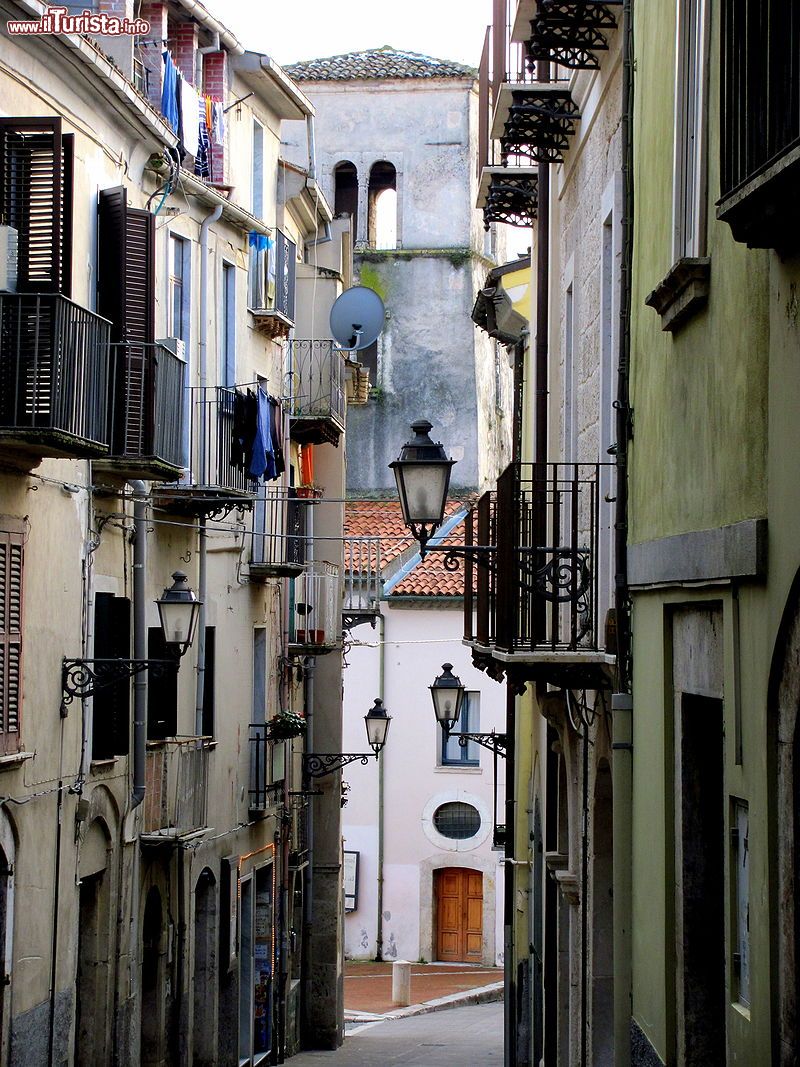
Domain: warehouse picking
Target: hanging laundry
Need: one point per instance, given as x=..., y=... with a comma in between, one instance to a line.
x=307, y=465
x=262, y=443
x=239, y=432
x=169, y=102
x=219, y=123
x=202, y=159
x=277, y=436
x=209, y=103
x=190, y=115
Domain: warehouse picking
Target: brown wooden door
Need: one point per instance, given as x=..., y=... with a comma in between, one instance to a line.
x=459, y=911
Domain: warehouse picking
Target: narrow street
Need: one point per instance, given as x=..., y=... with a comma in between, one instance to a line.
x=461, y=1037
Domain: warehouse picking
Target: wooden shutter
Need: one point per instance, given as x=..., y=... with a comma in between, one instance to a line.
x=126, y=296
x=36, y=199
x=162, y=689
x=112, y=704
x=11, y=558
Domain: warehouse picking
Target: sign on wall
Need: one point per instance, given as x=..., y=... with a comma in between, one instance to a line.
x=350, y=880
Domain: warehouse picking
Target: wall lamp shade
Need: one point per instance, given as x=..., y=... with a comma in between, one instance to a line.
x=178, y=609
x=447, y=693
x=377, y=723
x=422, y=472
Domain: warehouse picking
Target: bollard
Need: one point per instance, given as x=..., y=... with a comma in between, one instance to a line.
x=401, y=983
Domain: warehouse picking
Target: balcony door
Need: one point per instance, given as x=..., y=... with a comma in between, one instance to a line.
x=459, y=915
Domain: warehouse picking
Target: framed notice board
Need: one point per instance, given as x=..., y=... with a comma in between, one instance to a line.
x=350, y=880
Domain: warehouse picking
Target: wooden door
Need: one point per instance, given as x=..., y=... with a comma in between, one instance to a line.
x=459, y=911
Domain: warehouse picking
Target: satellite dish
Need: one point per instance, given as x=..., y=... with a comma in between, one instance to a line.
x=357, y=318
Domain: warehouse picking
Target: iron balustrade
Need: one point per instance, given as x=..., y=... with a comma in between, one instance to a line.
x=538, y=590
x=363, y=584
x=279, y=538
x=315, y=617
x=211, y=442
x=176, y=787
x=317, y=381
x=54, y=374
x=147, y=402
x=262, y=793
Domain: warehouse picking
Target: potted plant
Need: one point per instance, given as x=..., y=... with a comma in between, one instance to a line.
x=285, y=725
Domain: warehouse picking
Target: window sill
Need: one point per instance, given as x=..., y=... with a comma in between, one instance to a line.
x=682, y=293
x=452, y=768
x=14, y=759
x=98, y=765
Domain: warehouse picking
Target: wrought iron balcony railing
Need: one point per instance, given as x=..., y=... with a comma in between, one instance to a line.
x=279, y=538
x=538, y=590
x=317, y=373
x=54, y=376
x=146, y=411
x=363, y=582
x=316, y=607
x=215, y=476
x=176, y=788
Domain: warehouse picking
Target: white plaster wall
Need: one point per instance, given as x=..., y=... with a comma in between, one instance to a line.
x=418, y=640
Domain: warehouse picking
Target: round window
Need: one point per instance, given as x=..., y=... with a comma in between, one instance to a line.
x=457, y=820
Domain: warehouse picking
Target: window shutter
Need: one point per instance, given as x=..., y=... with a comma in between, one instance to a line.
x=11, y=557
x=111, y=704
x=36, y=200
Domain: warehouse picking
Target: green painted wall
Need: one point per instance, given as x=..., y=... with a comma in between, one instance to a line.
x=698, y=459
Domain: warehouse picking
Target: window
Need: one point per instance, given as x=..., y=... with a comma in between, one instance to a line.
x=178, y=305
x=272, y=268
x=111, y=706
x=162, y=690
x=457, y=820
x=690, y=106
x=453, y=753
x=36, y=164
x=208, y=682
x=11, y=566
x=228, y=326
x=382, y=206
x=740, y=841
x=258, y=170
x=570, y=427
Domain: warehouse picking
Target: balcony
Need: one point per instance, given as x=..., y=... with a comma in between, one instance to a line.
x=215, y=482
x=531, y=609
x=54, y=376
x=176, y=790
x=145, y=412
x=571, y=33
x=507, y=188
x=263, y=793
x=317, y=373
x=278, y=545
x=272, y=284
x=316, y=609
x=363, y=582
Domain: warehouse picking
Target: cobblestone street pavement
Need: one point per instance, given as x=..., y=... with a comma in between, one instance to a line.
x=462, y=1037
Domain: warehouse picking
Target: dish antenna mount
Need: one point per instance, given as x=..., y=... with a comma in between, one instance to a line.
x=357, y=318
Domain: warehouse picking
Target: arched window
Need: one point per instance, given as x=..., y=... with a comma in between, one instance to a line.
x=382, y=206
x=345, y=198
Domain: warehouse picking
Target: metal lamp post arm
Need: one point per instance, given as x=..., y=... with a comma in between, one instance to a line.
x=320, y=764
x=85, y=677
x=495, y=742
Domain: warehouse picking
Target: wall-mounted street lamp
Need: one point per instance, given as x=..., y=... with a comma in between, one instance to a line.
x=422, y=472
x=178, y=610
x=447, y=694
x=318, y=764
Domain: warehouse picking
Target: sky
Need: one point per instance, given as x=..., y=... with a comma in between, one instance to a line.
x=290, y=30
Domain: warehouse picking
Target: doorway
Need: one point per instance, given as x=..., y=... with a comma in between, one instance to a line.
x=459, y=915
x=701, y=901
x=155, y=1014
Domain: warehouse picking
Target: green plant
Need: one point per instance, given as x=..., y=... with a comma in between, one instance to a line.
x=286, y=725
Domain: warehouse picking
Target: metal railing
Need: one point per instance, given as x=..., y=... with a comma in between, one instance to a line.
x=315, y=618
x=539, y=589
x=363, y=584
x=317, y=381
x=261, y=796
x=176, y=787
x=54, y=371
x=279, y=538
x=213, y=448
x=147, y=401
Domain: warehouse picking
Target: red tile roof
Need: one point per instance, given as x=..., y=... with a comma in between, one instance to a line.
x=386, y=62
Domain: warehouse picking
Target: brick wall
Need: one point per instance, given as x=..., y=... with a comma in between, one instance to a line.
x=215, y=85
x=184, y=49
x=156, y=15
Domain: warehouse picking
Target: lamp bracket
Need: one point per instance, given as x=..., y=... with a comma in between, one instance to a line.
x=494, y=742
x=85, y=677
x=453, y=553
x=319, y=764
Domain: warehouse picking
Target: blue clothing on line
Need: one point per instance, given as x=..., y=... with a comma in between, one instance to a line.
x=262, y=443
x=169, y=93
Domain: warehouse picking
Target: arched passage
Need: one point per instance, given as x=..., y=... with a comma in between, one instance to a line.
x=153, y=996
x=345, y=193
x=205, y=969
x=382, y=205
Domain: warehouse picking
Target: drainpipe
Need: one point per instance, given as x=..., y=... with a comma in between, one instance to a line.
x=139, y=638
x=202, y=352
x=622, y=701
x=381, y=791
x=509, y=887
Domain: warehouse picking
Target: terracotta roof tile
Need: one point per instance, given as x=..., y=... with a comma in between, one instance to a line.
x=375, y=63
